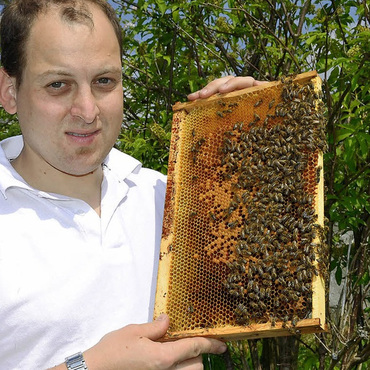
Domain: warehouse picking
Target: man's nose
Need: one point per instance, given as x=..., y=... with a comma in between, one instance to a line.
x=85, y=106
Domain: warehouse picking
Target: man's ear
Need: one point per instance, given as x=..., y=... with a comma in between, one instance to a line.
x=8, y=93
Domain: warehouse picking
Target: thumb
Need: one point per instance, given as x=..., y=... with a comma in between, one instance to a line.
x=158, y=328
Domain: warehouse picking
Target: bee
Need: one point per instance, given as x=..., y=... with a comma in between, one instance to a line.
x=234, y=293
x=294, y=297
x=194, y=148
x=265, y=121
x=252, y=296
x=271, y=103
x=242, y=315
x=193, y=214
x=285, y=320
x=232, y=224
x=193, y=132
x=262, y=305
x=318, y=171
x=242, y=267
x=201, y=141
x=300, y=276
x=232, y=278
x=250, y=284
x=190, y=309
x=262, y=293
x=212, y=216
x=312, y=256
x=267, y=282
x=256, y=117
x=256, y=288
x=295, y=234
x=268, y=292
x=220, y=114
x=258, y=103
x=273, y=320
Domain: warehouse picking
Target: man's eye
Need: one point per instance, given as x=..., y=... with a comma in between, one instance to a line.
x=104, y=80
x=57, y=85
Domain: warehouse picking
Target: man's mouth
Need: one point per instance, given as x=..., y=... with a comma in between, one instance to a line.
x=78, y=135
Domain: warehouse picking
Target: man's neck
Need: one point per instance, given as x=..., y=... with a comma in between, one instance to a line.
x=86, y=187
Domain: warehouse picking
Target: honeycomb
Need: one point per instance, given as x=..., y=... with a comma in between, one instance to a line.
x=243, y=252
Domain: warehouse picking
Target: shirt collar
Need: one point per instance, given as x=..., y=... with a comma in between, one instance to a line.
x=120, y=163
x=10, y=148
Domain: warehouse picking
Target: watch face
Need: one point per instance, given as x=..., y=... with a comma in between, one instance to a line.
x=75, y=362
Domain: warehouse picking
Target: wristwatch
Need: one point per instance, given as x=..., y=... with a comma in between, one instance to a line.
x=76, y=362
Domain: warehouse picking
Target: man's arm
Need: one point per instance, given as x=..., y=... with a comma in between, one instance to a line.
x=134, y=347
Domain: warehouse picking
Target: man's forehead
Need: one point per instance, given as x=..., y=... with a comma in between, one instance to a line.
x=83, y=13
x=53, y=43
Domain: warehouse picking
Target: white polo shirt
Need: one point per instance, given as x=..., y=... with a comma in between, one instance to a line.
x=67, y=276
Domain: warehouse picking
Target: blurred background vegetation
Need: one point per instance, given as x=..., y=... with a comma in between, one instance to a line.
x=174, y=47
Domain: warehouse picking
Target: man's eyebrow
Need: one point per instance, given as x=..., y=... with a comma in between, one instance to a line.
x=114, y=70
x=54, y=72
x=63, y=73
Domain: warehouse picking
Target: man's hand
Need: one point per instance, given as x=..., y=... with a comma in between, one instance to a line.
x=224, y=85
x=135, y=347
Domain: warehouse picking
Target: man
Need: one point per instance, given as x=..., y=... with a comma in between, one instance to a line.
x=80, y=223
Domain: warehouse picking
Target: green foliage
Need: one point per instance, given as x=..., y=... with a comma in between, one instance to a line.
x=212, y=362
x=172, y=48
x=8, y=125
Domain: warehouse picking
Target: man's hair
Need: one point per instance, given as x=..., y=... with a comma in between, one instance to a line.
x=17, y=20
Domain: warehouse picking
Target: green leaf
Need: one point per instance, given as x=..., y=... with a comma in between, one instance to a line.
x=338, y=275
x=176, y=15
x=365, y=279
x=343, y=134
x=192, y=85
x=333, y=265
x=162, y=6
x=311, y=40
x=364, y=143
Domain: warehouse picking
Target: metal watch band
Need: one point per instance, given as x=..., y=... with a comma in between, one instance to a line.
x=76, y=362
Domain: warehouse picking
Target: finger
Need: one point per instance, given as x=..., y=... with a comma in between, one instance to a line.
x=210, y=89
x=224, y=85
x=239, y=83
x=188, y=348
x=156, y=329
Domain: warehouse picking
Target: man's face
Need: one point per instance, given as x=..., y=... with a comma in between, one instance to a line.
x=70, y=101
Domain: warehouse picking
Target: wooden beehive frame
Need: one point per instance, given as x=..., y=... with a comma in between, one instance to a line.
x=175, y=200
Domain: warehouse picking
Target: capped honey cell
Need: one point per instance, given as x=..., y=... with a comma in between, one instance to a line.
x=243, y=252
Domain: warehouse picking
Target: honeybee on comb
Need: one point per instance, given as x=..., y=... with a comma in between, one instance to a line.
x=257, y=214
